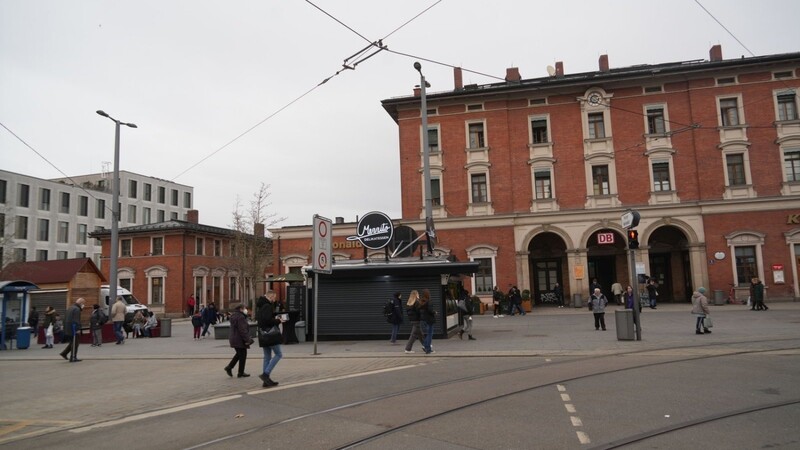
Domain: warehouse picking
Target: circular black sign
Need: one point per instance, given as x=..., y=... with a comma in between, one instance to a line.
x=374, y=230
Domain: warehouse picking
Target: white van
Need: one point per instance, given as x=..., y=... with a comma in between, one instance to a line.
x=132, y=305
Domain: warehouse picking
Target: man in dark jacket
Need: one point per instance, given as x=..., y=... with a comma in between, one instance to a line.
x=265, y=312
x=209, y=316
x=72, y=326
x=239, y=339
x=395, y=317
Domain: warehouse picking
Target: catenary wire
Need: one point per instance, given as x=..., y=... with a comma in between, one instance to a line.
x=724, y=27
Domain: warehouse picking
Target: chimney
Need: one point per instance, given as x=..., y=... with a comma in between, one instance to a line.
x=603, y=63
x=339, y=220
x=458, y=80
x=559, y=69
x=512, y=74
x=258, y=230
x=417, y=92
x=193, y=216
x=715, y=54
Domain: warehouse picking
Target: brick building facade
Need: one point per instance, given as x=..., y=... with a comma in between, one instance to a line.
x=531, y=176
x=163, y=263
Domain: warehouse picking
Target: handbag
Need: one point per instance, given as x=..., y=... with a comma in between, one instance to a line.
x=271, y=337
x=707, y=323
x=49, y=331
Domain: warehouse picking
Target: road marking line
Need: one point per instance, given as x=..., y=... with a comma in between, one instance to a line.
x=565, y=397
x=155, y=413
x=576, y=421
x=325, y=380
x=583, y=437
x=14, y=427
x=561, y=388
x=570, y=408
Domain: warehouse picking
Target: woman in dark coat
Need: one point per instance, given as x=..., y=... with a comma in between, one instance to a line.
x=396, y=318
x=428, y=317
x=240, y=340
x=412, y=309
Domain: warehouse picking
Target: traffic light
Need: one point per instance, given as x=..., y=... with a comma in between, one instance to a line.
x=633, y=239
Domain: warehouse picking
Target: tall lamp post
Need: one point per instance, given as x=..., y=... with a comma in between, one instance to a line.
x=426, y=158
x=115, y=213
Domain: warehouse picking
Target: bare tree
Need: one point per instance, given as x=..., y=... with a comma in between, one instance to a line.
x=7, y=235
x=252, y=248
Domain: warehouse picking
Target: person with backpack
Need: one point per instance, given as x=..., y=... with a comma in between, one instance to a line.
x=394, y=315
x=96, y=321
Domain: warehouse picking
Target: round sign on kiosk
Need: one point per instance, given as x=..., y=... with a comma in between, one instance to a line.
x=374, y=231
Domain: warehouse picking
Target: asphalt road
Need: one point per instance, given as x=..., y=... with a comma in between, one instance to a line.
x=546, y=380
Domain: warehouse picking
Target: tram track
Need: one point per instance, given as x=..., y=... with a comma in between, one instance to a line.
x=493, y=374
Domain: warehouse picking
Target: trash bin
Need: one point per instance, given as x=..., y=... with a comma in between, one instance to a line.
x=166, y=327
x=577, y=301
x=300, y=330
x=624, y=319
x=23, y=337
x=719, y=297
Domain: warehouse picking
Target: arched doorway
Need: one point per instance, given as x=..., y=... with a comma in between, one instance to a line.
x=548, y=260
x=606, y=260
x=670, y=264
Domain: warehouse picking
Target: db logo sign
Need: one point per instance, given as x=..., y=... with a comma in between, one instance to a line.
x=605, y=238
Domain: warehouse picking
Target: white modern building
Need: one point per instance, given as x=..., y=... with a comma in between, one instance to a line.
x=42, y=219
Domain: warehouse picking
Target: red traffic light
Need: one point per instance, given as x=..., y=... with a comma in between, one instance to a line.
x=633, y=239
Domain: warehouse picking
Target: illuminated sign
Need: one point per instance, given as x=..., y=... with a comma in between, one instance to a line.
x=374, y=231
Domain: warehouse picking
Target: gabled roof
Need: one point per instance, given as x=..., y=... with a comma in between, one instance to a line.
x=48, y=272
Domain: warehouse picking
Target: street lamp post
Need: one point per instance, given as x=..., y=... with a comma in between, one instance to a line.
x=426, y=157
x=115, y=213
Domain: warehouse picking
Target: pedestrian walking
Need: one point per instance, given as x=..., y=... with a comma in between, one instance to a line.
x=593, y=286
x=497, y=300
x=515, y=301
x=239, y=340
x=757, y=295
x=49, y=324
x=559, y=293
x=72, y=322
x=395, y=316
x=465, y=311
x=197, y=325
x=413, y=312
x=118, y=317
x=628, y=298
x=265, y=313
x=96, y=322
x=209, y=316
x=700, y=310
x=428, y=319
x=597, y=304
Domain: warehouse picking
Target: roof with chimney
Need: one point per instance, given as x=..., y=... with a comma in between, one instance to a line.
x=49, y=272
x=559, y=79
x=165, y=227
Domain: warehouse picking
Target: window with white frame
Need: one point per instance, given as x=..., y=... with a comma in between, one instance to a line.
x=597, y=127
x=436, y=192
x=746, y=264
x=787, y=106
x=480, y=192
x=157, y=246
x=433, y=139
x=661, y=177
x=655, y=120
x=125, y=247
x=476, y=135
x=543, y=183
x=791, y=164
x=729, y=111
x=233, y=286
x=484, y=282
x=736, y=173
x=600, y=180
x=157, y=290
x=539, y=133
x=126, y=283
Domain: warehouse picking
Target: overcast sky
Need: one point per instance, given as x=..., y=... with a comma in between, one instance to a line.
x=195, y=74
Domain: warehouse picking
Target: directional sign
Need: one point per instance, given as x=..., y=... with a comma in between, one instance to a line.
x=630, y=219
x=322, y=243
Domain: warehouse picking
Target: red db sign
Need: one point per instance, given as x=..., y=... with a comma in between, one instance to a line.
x=605, y=238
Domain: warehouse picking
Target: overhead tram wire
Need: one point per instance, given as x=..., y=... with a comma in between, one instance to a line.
x=724, y=27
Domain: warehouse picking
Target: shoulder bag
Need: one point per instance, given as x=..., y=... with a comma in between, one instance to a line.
x=271, y=337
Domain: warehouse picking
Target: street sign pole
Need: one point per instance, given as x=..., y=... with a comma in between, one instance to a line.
x=322, y=247
x=629, y=221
